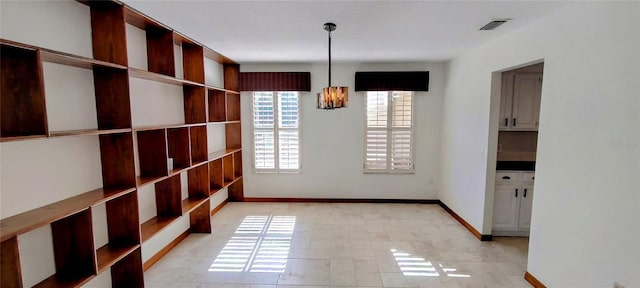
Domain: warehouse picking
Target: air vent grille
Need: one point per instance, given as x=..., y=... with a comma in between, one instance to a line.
x=494, y=24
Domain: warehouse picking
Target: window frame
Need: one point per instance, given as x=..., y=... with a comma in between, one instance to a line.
x=275, y=129
x=389, y=128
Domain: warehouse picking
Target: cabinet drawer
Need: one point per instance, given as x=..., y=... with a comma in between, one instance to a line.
x=506, y=177
x=527, y=177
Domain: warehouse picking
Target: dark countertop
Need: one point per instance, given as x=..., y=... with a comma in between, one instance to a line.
x=516, y=165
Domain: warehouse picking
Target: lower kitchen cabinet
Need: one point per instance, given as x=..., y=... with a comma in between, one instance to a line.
x=513, y=199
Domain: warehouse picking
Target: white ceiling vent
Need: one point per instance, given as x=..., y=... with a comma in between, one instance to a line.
x=494, y=24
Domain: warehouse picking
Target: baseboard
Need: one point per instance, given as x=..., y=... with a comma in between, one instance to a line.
x=215, y=210
x=342, y=200
x=533, y=281
x=480, y=236
x=155, y=258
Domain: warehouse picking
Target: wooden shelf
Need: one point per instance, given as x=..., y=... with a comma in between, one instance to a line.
x=68, y=133
x=48, y=55
x=142, y=181
x=108, y=255
x=221, y=89
x=87, y=132
x=155, y=225
x=223, y=122
x=215, y=56
x=58, y=282
x=21, y=138
x=169, y=126
x=143, y=74
x=27, y=221
x=221, y=153
x=226, y=185
x=190, y=203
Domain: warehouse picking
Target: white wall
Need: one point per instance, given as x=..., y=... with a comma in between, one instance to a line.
x=585, y=228
x=332, y=141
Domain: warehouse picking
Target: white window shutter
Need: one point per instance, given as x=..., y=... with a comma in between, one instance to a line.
x=276, y=123
x=376, y=149
x=389, y=135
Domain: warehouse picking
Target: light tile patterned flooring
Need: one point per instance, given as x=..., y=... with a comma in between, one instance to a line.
x=274, y=245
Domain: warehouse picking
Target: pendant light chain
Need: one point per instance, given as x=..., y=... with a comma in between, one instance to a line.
x=329, y=58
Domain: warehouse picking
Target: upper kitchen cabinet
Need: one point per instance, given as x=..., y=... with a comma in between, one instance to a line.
x=520, y=101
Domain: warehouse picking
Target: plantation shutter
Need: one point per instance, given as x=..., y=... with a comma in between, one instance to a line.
x=288, y=121
x=401, y=131
x=263, y=125
x=389, y=132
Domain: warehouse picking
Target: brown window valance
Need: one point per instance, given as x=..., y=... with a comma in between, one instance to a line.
x=392, y=81
x=275, y=81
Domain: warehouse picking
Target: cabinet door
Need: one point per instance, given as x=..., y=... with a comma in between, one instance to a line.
x=506, y=101
x=524, y=219
x=505, y=207
x=526, y=101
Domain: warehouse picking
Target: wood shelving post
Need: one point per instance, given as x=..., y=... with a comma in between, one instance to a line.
x=192, y=61
x=198, y=197
x=198, y=182
x=236, y=191
x=108, y=32
x=128, y=273
x=227, y=165
x=216, y=178
x=179, y=148
x=168, y=198
x=73, y=249
x=217, y=106
x=22, y=99
x=200, y=218
x=233, y=135
x=237, y=164
x=198, y=136
x=10, y=264
x=123, y=230
x=231, y=77
x=160, y=54
x=195, y=104
x=152, y=154
x=117, y=159
x=233, y=106
x=112, y=98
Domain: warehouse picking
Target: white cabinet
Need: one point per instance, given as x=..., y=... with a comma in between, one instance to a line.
x=520, y=101
x=512, y=203
x=505, y=217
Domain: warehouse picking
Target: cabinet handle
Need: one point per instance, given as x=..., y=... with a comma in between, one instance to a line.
x=514, y=122
x=506, y=121
x=525, y=193
x=506, y=177
x=516, y=192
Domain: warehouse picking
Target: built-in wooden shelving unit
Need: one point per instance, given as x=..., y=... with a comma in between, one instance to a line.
x=24, y=117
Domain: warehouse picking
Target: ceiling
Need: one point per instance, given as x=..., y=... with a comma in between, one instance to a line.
x=368, y=31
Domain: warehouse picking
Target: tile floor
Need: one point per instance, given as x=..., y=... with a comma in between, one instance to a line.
x=292, y=245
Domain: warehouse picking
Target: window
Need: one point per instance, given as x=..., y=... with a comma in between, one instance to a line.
x=276, y=124
x=389, y=136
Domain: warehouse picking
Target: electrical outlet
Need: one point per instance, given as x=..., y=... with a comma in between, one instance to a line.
x=617, y=285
